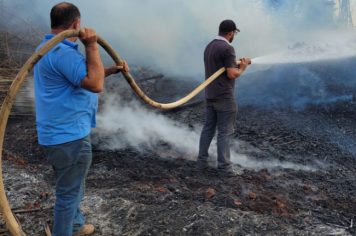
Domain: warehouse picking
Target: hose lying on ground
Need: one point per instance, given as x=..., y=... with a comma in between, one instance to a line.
x=5, y=210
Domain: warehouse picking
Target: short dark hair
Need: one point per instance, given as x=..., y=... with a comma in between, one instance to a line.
x=63, y=15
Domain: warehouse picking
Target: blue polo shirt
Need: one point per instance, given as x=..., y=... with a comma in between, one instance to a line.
x=64, y=111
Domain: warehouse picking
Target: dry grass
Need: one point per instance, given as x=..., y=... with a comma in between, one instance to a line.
x=19, y=38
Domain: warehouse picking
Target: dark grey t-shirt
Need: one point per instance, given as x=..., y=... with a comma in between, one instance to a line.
x=219, y=54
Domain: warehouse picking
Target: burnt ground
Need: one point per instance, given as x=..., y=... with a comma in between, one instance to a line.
x=135, y=193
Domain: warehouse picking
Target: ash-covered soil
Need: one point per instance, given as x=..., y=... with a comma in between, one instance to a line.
x=135, y=193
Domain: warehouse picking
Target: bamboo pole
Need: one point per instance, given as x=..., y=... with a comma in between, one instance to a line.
x=5, y=209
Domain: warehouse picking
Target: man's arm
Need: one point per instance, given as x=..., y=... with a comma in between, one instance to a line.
x=94, y=81
x=234, y=73
x=114, y=69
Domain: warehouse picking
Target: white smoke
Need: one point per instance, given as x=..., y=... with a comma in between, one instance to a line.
x=123, y=124
x=173, y=34
x=129, y=124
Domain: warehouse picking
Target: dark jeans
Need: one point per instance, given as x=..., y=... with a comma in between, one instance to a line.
x=71, y=162
x=220, y=113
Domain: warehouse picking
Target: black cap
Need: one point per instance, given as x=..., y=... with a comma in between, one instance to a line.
x=227, y=26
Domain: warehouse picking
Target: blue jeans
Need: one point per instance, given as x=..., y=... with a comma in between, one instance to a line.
x=71, y=162
x=220, y=113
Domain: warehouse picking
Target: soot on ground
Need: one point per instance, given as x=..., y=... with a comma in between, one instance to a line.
x=158, y=192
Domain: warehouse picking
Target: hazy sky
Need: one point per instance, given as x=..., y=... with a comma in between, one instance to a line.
x=171, y=35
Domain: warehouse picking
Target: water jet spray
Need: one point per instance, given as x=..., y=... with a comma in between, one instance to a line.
x=303, y=53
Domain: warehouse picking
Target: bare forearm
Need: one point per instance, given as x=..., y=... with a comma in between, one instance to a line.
x=94, y=81
x=95, y=66
x=234, y=73
x=238, y=72
x=110, y=70
x=107, y=71
x=114, y=69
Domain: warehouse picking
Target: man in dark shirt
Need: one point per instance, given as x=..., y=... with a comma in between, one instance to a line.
x=221, y=110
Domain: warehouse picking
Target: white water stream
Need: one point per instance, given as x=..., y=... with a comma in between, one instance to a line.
x=310, y=53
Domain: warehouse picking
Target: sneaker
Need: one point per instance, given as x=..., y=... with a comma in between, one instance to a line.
x=86, y=230
x=230, y=173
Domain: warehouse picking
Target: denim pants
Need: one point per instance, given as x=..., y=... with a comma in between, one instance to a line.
x=220, y=113
x=71, y=162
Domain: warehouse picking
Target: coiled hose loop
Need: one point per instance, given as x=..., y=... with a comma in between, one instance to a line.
x=5, y=210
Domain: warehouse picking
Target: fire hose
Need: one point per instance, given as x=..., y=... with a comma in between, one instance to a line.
x=5, y=209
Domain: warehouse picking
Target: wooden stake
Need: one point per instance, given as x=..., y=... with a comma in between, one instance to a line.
x=47, y=230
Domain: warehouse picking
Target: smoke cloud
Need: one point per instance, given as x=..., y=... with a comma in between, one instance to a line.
x=171, y=35
x=130, y=125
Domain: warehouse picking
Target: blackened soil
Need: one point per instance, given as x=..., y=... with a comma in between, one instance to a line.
x=130, y=193
x=308, y=186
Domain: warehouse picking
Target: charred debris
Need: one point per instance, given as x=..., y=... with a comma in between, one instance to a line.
x=157, y=191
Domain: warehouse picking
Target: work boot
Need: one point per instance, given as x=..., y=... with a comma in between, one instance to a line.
x=230, y=173
x=86, y=230
x=200, y=168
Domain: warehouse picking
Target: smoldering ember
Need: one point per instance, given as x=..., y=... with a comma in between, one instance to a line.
x=294, y=143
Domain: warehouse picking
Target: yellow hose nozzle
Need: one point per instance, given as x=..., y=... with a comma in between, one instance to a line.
x=239, y=63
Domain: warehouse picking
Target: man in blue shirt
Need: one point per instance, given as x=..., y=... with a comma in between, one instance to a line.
x=66, y=87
